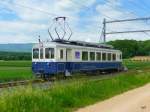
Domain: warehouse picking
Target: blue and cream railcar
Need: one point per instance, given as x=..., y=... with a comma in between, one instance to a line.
x=70, y=56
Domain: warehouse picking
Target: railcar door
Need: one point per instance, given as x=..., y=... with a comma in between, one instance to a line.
x=68, y=61
x=68, y=55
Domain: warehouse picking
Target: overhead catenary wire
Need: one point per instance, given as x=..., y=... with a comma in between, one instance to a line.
x=90, y=8
x=129, y=12
x=146, y=33
x=31, y=8
x=143, y=4
x=135, y=4
x=43, y=11
x=52, y=14
x=134, y=31
x=101, y=14
x=125, y=20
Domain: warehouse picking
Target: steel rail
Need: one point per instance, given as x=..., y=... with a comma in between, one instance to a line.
x=18, y=83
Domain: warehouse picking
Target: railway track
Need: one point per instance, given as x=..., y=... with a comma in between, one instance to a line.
x=40, y=81
x=19, y=83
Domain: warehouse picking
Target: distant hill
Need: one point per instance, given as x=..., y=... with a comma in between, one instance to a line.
x=16, y=47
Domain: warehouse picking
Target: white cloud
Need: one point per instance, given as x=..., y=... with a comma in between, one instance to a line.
x=17, y=38
x=21, y=26
x=32, y=22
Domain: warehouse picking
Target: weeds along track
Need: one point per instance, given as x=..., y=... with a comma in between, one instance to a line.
x=50, y=81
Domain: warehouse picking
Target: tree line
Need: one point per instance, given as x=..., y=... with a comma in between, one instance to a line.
x=15, y=56
x=131, y=48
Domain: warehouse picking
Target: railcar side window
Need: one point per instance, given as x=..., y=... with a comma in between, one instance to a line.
x=114, y=57
x=49, y=53
x=61, y=54
x=84, y=55
x=36, y=53
x=109, y=56
x=98, y=56
x=41, y=53
x=92, y=56
x=104, y=56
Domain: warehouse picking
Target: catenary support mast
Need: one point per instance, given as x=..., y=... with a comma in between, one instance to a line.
x=105, y=22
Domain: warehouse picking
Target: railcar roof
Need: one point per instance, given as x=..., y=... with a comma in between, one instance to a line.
x=77, y=43
x=82, y=43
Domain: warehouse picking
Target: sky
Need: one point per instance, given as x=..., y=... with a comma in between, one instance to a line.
x=22, y=21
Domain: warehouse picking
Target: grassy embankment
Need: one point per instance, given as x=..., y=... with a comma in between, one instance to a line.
x=74, y=93
x=137, y=64
x=15, y=70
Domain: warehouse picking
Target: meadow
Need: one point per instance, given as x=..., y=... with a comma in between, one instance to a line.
x=136, y=64
x=15, y=63
x=21, y=70
x=15, y=70
x=72, y=94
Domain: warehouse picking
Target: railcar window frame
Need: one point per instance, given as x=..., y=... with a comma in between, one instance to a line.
x=51, y=54
x=98, y=56
x=61, y=51
x=104, y=56
x=41, y=53
x=37, y=53
x=92, y=56
x=109, y=57
x=114, y=56
x=85, y=55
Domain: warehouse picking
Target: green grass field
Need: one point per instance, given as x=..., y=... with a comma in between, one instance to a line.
x=136, y=64
x=15, y=70
x=15, y=63
x=71, y=94
x=19, y=70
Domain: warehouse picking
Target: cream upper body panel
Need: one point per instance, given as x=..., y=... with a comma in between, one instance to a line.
x=73, y=53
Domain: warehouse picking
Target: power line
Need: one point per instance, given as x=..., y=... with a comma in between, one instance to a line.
x=138, y=6
x=120, y=32
x=130, y=12
x=141, y=4
x=90, y=9
x=117, y=20
x=142, y=31
x=146, y=34
x=125, y=20
x=144, y=4
x=135, y=31
x=33, y=9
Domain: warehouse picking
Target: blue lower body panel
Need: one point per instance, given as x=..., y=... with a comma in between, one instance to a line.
x=57, y=67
